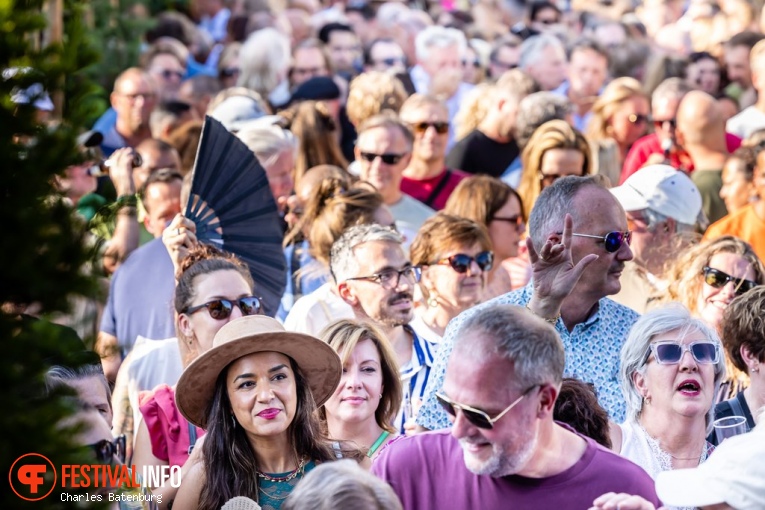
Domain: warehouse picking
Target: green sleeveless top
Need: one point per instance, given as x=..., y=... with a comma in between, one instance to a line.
x=271, y=494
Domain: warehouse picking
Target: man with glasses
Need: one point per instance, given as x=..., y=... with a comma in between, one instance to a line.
x=504, y=449
x=505, y=55
x=427, y=178
x=375, y=277
x=309, y=60
x=133, y=100
x=165, y=61
x=579, y=245
x=384, y=55
x=383, y=150
x=663, y=207
x=661, y=146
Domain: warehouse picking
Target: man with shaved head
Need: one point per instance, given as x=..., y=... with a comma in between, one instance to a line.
x=701, y=131
x=133, y=99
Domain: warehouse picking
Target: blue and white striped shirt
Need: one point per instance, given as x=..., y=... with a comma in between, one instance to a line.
x=592, y=349
x=414, y=375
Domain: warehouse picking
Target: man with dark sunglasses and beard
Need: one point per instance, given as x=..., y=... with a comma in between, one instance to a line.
x=504, y=449
x=376, y=278
x=578, y=217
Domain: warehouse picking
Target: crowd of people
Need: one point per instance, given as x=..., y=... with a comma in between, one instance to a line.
x=524, y=245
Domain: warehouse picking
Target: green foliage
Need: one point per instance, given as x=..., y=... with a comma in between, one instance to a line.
x=44, y=249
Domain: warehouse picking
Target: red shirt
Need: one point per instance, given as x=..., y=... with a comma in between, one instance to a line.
x=650, y=144
x=423, y=190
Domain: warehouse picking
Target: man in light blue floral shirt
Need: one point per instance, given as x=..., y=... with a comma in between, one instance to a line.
x=591, y=326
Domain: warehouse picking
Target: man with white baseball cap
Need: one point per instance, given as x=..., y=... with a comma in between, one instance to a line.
x=663, y=207
x=732, y=478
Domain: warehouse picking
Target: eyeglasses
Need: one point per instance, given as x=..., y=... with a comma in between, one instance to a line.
x=220, y=309
x=516, y=220
x=472, y=63
x=547, y=21
x=106, y=450
x=658, y=124
x=390, y=62
x=229, y=72
x=461, y=262
x=612, y=241
x=504, y=65
x=421, y=127
x=475, y=416
x=309, y=70
x=388, y=159
x=146, y=96
x=670, y=353
x=548, y=179
x=170, y=73
x=390, y=278
x=717, y=279
x=638, y=118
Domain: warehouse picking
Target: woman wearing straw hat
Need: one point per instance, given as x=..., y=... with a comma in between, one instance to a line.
x=256, y=392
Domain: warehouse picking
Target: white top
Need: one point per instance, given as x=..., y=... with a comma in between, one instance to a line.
x=646, y=452
x=313, y=312
x=746, y=122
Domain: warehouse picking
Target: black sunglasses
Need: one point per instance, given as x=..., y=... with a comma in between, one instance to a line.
x=229, y=72
x=461, y=262
x=475, y=416
x=105, y=450
x=612, y=241
x=516, y=220
x=471, y=63
x=390, y=62
x=388, y=159
x=717, y=279
x=420, y=127
x=670, y=353
x=220, y=309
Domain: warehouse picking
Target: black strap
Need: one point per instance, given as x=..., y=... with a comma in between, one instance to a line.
x=192, y=437
x=297, y=291
x=438, y=189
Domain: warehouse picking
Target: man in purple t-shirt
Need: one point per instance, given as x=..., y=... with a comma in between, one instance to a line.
x=504, y=450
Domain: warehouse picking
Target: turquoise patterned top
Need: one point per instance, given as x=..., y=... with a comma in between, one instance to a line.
x=592, y=354
x=271, y=495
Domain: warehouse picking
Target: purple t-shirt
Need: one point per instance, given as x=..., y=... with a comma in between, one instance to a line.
x=427, y=471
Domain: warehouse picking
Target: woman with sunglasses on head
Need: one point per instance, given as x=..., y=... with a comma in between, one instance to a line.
x=490, y=202
x=256, y=392
x=554, y=150
x=212, y=289
x=369, y=396
x=455, y=256
x=706, y=278
x=620, y=116
x=671, y=370
x=743, y=335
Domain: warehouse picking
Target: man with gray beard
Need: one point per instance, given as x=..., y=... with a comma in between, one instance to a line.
x=375, y=277
x=504, y=451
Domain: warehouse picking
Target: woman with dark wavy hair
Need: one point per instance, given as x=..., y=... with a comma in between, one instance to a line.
x=256, y=392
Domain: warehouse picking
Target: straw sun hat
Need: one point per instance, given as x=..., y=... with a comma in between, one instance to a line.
x=319, y=363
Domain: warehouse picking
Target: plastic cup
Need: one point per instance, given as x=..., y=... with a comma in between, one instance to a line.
x=729, y=427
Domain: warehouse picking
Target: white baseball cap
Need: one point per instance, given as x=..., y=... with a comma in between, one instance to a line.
x=733, y=474
x=663, y=189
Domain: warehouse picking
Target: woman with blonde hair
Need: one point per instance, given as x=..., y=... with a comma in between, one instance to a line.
x=369, y=396
x=706, y=278
x=472, y=110
x=620, y=116
x=554, y=150
x=313, y=126
x=264, y=61
x=498, y=207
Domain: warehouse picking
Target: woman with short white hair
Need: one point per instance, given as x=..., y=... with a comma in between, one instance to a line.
x=671, y=369
x=264, y=61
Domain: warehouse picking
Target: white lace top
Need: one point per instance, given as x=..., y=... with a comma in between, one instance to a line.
x=645, y=451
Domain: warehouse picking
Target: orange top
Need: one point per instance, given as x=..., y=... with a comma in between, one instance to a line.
x=744, y=224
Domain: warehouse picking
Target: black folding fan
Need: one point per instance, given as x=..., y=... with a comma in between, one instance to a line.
x=233, y=209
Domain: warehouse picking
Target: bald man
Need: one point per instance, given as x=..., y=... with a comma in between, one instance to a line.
x=133, y=99
x=701, y=132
